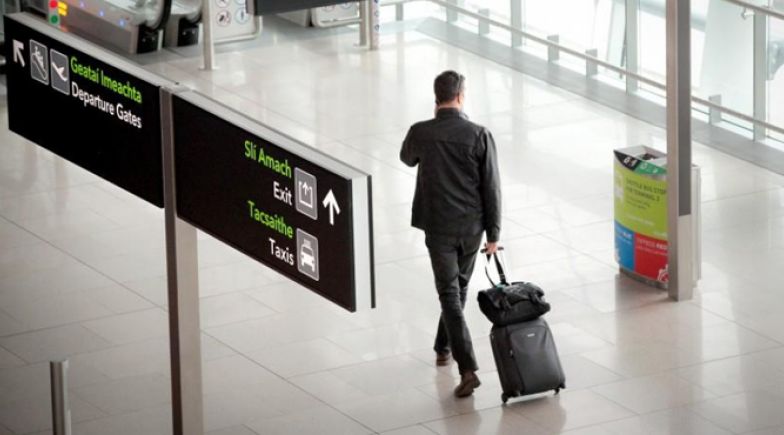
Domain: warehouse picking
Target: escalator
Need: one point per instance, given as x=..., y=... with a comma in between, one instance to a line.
x=127, y=26
x=138, y=26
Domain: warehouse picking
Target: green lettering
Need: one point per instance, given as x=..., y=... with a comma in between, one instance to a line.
x=274, y=222
x=248, y=148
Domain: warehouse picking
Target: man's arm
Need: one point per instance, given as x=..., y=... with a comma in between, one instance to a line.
x=491, y=187
x=408, y=154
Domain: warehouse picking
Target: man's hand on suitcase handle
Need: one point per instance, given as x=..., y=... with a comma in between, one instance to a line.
x=491, y=248
x=491, y=251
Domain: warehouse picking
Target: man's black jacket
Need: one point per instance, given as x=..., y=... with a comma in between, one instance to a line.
x=458, y=190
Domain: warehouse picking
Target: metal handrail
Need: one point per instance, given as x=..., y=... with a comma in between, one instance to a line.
x=549, y=43
x=756, y=8
x=610, y=66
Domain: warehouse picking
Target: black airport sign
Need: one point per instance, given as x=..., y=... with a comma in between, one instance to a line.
x=303, y=213
x=91, y=107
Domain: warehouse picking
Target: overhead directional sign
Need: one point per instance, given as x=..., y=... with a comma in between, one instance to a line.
x=300, y=212
x=85, y=104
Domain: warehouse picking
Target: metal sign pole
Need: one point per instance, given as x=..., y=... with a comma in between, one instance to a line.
x=61, y=412
x=363, y=23
x=209, y=38
x=679, y=213
x=182, y=270
x=375, y=23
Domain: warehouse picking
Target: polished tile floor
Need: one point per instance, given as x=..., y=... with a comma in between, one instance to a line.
x=82, y=273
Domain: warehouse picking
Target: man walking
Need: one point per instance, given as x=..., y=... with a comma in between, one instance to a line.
x=457, y=199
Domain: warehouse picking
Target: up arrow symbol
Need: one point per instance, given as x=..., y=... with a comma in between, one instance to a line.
x=332, y=204
x=18, y=56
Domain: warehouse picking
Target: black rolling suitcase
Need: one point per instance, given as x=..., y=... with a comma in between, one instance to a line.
x=526, y=358
x=524, y=351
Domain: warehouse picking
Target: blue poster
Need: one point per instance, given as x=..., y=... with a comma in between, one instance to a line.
x=624, y=246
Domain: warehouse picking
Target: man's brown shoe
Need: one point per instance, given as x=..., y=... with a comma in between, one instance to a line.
x=468, y=383
x=442, y=358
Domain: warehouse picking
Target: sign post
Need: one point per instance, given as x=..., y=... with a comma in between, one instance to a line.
x=182, y=273
x=375, y=23
x=300, y=212
x=209, y=39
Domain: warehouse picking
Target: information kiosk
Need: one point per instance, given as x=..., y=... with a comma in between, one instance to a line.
x=640, y=192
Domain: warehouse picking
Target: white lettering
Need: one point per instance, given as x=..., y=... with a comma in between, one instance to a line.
x=128, y=116
x=284, y=255
x=89, y=99
x=281, y=194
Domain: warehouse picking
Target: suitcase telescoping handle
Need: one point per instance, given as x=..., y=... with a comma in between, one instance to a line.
x=498, y=265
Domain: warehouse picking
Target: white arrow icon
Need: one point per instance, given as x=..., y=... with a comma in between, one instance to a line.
x=332, y=204
x=18, y=56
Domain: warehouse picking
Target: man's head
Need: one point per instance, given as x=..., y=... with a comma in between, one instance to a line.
x=449, y=88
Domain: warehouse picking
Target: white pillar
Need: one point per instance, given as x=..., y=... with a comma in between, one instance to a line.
x=679, y=213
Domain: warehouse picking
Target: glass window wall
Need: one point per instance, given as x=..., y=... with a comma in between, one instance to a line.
x=722, y=45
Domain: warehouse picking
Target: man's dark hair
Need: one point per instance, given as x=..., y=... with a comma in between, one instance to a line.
x=447, y=86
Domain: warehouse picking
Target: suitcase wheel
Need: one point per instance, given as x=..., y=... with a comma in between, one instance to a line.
x=504, y=398
x=557, y=390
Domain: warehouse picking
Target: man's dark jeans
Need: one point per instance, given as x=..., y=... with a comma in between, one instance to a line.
x=452, y=259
